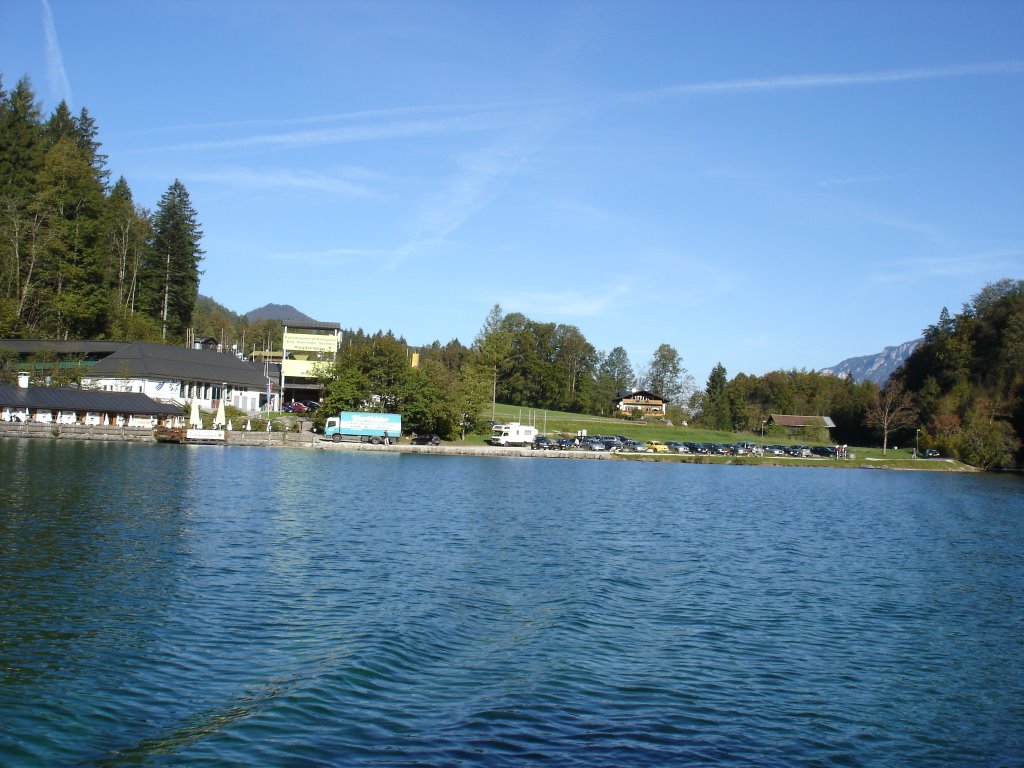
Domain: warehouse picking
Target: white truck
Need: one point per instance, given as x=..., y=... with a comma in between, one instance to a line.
x=512, y=433
x=373, y=428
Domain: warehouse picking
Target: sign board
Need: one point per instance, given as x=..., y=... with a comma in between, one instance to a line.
x=205, y=434
x=389, y=422
x=308, y=342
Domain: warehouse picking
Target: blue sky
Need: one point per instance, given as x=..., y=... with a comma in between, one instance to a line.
x=765, y=184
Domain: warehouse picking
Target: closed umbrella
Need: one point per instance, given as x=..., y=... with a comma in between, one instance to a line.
x=221, y=420
x=248, y=425
x=195, y=421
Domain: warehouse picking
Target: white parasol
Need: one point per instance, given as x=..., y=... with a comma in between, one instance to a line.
x=195, y=420
x=220, y=420
x=248, y=425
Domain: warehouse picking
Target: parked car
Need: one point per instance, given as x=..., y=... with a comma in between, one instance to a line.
x=676, y=447
x=799, y=451
x=591, y=444
x=932, y=453
x=656, y=446
x=312, y=404
x=564, y=443
x=774, y=450
x=634, y=445
x=426, y=440
x=294, y=407
x=696, y=447
x=541, y=443
x=826, y=451
x=611, y=443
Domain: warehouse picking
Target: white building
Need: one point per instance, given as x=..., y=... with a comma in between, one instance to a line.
x=177, y=375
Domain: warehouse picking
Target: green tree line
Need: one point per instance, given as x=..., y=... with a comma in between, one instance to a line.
x=79, y=258
x=967, y=378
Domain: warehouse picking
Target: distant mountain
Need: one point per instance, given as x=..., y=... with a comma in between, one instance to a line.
x=286, y=313
x=876, y=368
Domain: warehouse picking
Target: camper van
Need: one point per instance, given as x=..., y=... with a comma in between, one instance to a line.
x=512, y=433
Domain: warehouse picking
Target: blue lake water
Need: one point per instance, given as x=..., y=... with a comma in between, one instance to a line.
x=202, y=606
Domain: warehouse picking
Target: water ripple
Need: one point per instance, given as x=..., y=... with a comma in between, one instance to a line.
x=253, y=607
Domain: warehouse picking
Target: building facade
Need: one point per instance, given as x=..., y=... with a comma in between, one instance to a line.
x=177, y=375
x=640, y=400
x=304, y=347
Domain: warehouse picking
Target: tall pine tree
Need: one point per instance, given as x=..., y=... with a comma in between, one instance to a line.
x=715, y=408
x=173, y=269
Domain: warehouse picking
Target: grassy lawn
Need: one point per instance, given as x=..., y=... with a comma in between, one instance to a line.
x=560, y=424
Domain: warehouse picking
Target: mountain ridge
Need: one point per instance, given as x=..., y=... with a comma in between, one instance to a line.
x=282, y=312
x=877, y=367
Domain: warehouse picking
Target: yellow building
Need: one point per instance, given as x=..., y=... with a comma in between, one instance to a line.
x=305, y=346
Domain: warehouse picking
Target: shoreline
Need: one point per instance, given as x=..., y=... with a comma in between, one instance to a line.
x=310, y=441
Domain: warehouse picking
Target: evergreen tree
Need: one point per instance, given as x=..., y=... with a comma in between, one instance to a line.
x=60, y=125
x=21, y=142
x=127, y=235
x=715, y=410
x=493, y=345
x=70, y=198
x=85, y=136
x=172, y=268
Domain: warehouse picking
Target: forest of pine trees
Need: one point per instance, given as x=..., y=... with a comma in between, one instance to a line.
x=79, y=258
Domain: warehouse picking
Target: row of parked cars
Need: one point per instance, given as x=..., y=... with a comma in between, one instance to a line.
x=742, y=448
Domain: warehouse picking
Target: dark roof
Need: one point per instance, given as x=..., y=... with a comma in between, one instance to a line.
x=802, y=421
x=56, y=399
x=622, y=395
x=87, y=349
x=310, y=325
x=159, y=361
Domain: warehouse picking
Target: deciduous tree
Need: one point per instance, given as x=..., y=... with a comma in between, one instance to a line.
x=666, y=376
x=892, y=410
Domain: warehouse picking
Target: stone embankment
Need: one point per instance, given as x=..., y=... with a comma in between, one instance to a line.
x=273, y=440
x=308, y=440
x=75, y=432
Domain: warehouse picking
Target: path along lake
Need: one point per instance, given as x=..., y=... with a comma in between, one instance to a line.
x=207, y=606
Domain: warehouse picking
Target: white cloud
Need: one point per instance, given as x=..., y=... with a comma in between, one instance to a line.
x=847, y=181
x=825, y=80
x=249, y=179
x=566, y=303
x=952, y=267
x=360, y=133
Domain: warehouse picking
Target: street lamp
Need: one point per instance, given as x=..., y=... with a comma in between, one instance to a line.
x=763, y=422
x=917, y=438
